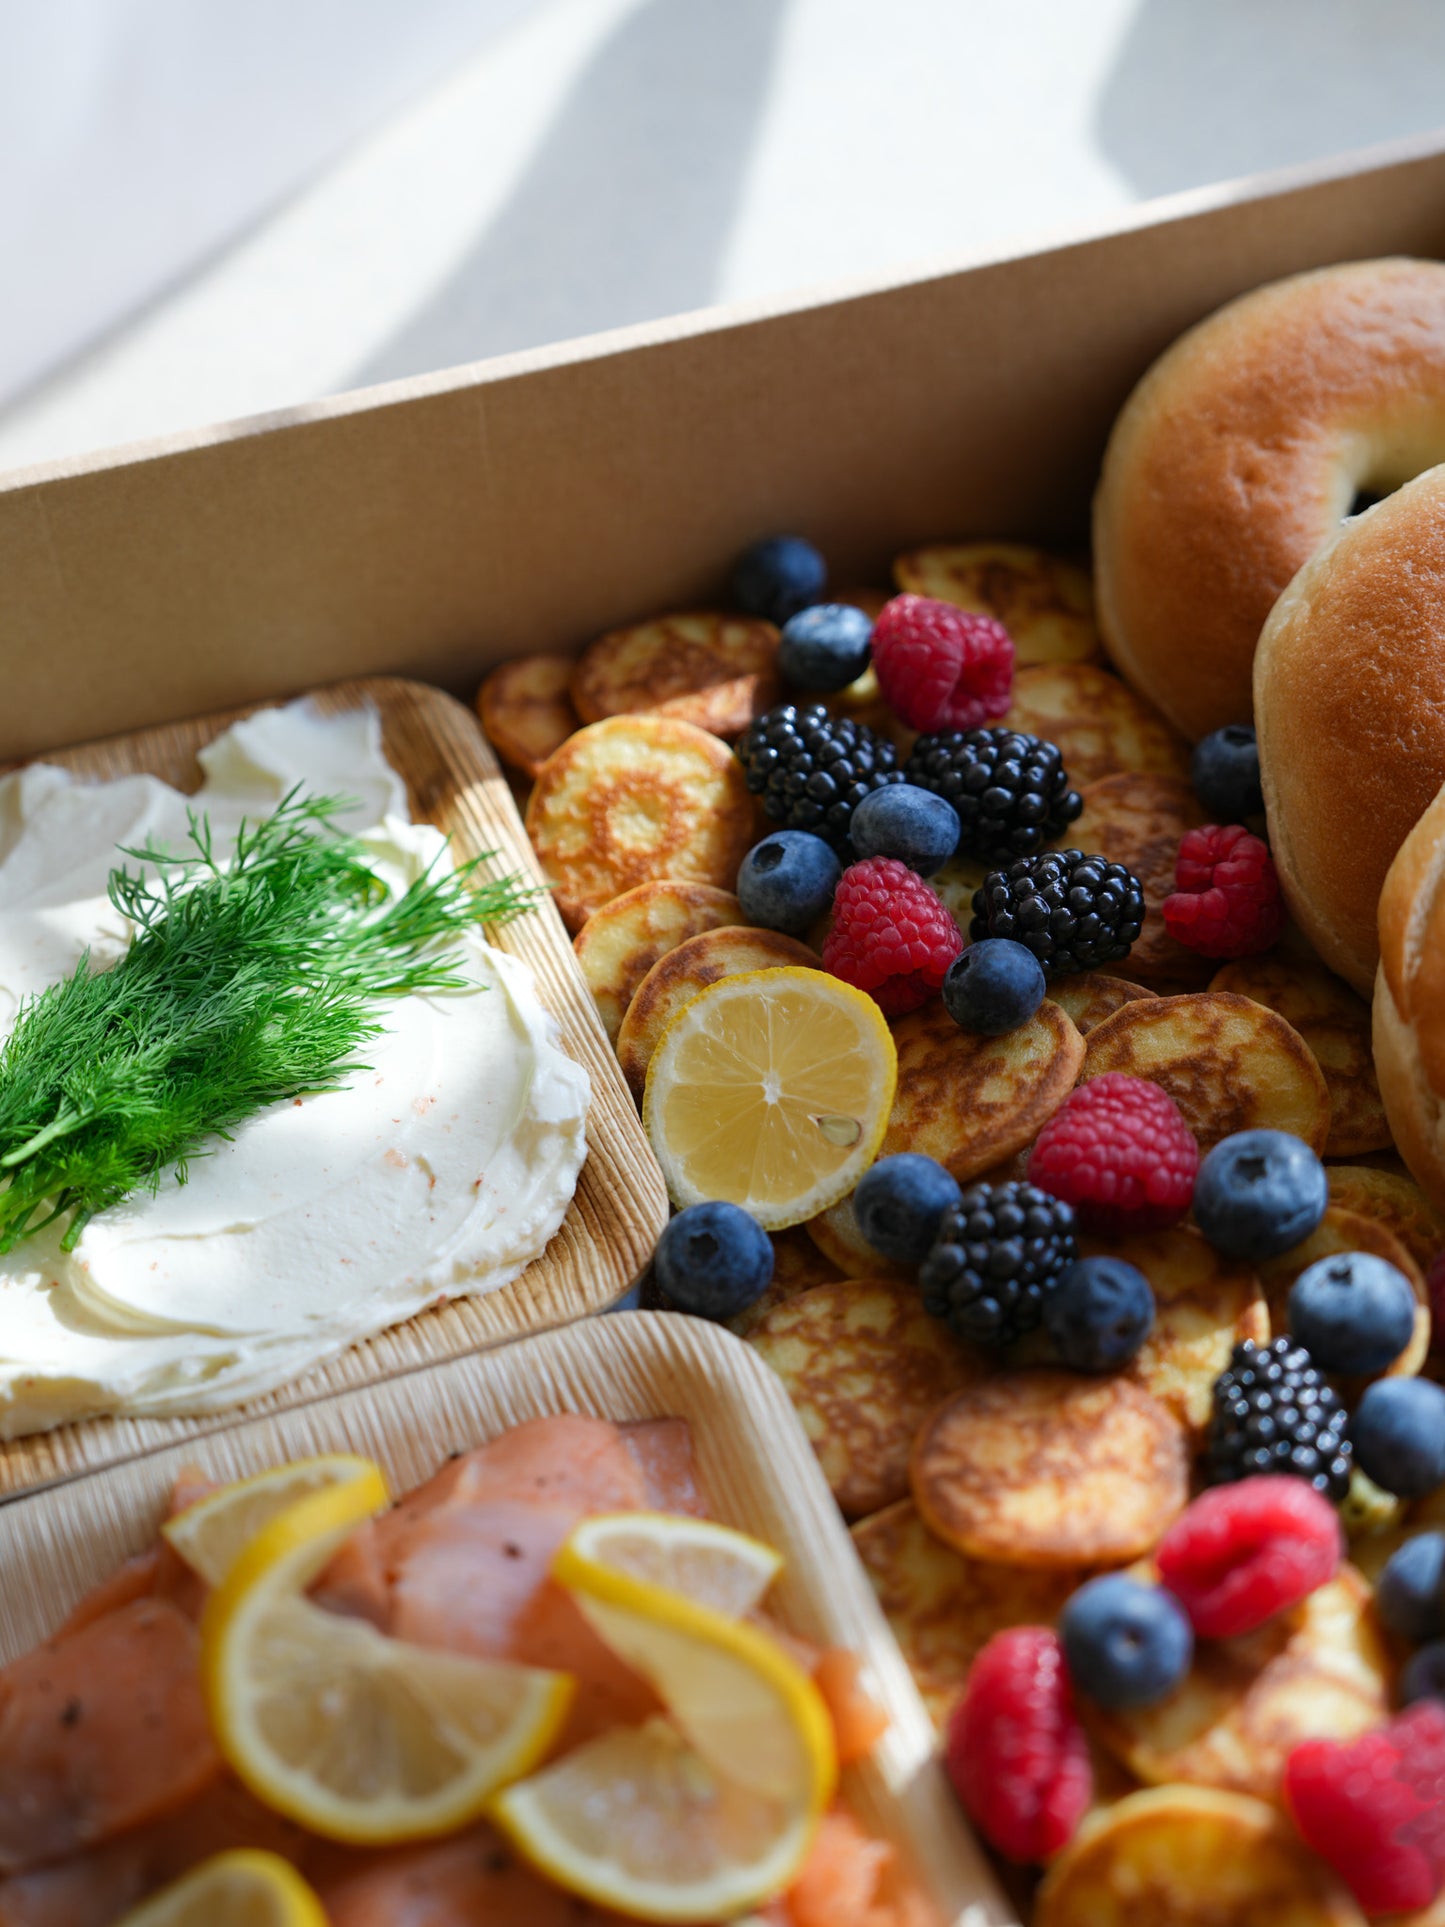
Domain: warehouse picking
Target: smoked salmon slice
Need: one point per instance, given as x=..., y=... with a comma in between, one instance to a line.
x=100, y=1731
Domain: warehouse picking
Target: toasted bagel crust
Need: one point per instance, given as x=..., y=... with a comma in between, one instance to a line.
x=1409, y=1012
x=1349, y=685
x=1238, y=454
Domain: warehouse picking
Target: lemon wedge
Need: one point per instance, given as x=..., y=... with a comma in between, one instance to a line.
x=359, y=1737
x=771, y=1090
x=245, y=1888
x=711, y=1565
x=209, y=1534
x=698, y=1816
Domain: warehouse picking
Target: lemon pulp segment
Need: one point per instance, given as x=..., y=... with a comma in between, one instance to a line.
x=771, y=1090
x=358, y=1736
x=243, y=1888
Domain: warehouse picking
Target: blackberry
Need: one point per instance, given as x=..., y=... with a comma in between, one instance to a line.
x=812, y=770
x=1274, y=1411
x=1011, y=791
x=1075, y=912
x=999, y=1253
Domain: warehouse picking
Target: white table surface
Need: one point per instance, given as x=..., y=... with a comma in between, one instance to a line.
x=588, y=163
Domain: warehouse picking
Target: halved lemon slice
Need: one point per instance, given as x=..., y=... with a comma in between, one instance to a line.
x=710, y=1564
x=357, y=1736
x=209, y=1534
x=245, y=1888
x=699, y=1816
x=771, y=1090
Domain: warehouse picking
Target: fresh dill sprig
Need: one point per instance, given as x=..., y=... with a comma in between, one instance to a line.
x=250, y=979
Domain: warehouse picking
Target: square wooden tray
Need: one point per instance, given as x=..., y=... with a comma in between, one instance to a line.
x=620, y=1205
x=757, y=1469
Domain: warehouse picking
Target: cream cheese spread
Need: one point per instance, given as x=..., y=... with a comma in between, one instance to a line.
x=441, y=1170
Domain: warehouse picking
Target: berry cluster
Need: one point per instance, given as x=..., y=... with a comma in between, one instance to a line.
x=997, y=1260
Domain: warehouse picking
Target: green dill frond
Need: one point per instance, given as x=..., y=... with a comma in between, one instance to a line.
x=248, y=982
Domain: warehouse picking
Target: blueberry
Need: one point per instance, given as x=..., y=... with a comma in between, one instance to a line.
x=899, y=1202
x=1399, y=1436
x=787, y=881
x=1225, y=769
x=1352, y=1313
x=1422, y=1677
x=1410, y=1592
x=713, y=1260
x=914, y=825
x=1100, y=1314
x=778, y=576
x=825, y=646
x=994, y=986
x=1126, y=1644
x=629, y=1301
x=1258, y=1193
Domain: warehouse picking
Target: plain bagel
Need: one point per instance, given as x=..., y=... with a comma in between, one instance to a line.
x=1410, y=1001
x=1239, y=453
x=1349, y=701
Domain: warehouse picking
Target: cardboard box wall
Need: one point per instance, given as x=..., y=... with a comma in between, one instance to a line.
x=434, y=526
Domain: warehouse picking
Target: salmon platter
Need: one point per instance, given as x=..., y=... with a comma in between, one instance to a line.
x=596, y=1665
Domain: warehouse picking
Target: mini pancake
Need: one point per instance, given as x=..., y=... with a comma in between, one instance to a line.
x=1204, y=1304
x=798, y=1265
x=1045, y=603
x=862, y=702
x=718, y=671
x=943, y=1608
x=620, y=943
x=637, y=799
x=1394, y=1200
x=1335, y=1023
x=1228, y=1063
x=835, y=1233
x=972, y=1101
x=526, y=711
x=955, y=884
x=1047, y=1468
x=1099, y=725
x=1338, y=1231
x=864, y=1364
x=1319, y=1671
x=1138, y=818
x=684, y=973
x=871, y=601
x=1183, y=1856
x=1089, y=997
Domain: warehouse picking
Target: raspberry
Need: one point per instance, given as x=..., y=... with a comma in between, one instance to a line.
x=1120, y=1153
x=1375, y=1808
x=891, y=935
x=940, y=667
x=1015, y=1750
x=1226, y=900
x=1242, y=1553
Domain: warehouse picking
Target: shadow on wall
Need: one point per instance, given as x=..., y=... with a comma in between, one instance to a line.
x=624, y=212
x=1204, y=90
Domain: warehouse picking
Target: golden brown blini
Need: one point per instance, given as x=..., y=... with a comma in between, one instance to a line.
x=1236, y=458
x=1349, y=699
x=1410, y=1001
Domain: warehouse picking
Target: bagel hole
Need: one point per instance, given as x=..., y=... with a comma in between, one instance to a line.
x=1366, y=498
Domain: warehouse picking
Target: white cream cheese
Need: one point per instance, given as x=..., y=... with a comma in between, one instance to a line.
x=442, y=1170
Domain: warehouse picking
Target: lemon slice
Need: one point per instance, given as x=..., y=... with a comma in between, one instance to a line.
x=209, y=1534
x=710, y=1564
x=357, y=1736
x=699, y=1816
x=246, y=1888
x=771, y=1090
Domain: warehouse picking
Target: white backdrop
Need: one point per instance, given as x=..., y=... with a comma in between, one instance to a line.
x=214, y=207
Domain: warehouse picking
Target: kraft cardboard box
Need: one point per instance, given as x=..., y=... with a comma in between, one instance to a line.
x=435, y=526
